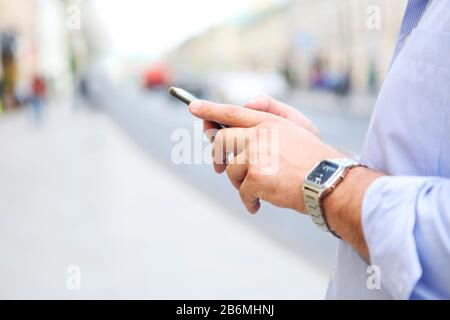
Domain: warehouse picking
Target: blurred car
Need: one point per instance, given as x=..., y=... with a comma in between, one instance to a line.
x=157, y=76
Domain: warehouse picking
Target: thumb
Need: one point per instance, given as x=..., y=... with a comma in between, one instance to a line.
x=263, y=103
x=270, y=105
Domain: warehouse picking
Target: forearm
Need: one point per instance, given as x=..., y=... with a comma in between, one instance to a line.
x=342, y=207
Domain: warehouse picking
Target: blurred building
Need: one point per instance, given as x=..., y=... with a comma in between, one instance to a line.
x=17, y=49
x=260, y=33
x=350, y=38
x=33, y=43
x=344, y=35
x=214, y=50
x=51, y=39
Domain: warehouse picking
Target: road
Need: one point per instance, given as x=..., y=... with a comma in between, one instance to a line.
x=99, y=191
x=151, y=118
x=86, y=213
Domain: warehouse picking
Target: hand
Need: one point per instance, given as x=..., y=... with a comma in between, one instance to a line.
x=291, y=154
x=269, y=105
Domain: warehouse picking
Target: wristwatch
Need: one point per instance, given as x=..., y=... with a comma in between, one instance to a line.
x=319, y=182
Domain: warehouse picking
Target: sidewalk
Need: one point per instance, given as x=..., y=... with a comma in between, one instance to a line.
x=77, y=191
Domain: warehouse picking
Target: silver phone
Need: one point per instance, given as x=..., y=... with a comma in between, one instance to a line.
x=187, y=98
x=182, y=95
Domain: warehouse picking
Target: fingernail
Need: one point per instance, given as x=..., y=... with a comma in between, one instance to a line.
x=194, y=106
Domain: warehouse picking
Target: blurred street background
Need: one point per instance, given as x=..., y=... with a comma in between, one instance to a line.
x=92, y=204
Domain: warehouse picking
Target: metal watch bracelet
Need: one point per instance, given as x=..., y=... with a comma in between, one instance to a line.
x=314, y=195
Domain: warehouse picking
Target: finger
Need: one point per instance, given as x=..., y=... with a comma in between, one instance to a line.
x=210, y=129
x=270, y=105
x=230, y=115
x=247, y=191
x=219, y=164
x=237, y=170
x=229, y=140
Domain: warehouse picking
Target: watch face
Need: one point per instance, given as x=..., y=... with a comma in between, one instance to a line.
x=323, y=172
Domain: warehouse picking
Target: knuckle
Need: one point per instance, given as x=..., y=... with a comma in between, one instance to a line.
x=253, y=174
x=243, y=192
x=228, y=172
x=232, y=112
x=229, y=169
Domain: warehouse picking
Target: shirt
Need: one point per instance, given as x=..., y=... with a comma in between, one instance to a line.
x=406, y=214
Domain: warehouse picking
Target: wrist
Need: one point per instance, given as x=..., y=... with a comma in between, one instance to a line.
x=342, y=207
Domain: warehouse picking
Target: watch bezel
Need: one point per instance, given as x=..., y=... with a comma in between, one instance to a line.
x=330, y=182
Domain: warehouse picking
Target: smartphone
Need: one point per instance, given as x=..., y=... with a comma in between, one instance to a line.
x=187, y=98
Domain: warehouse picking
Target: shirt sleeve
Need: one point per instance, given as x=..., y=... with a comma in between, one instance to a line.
x=406, y=224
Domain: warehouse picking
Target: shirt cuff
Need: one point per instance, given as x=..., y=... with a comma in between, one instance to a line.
x=388, y=216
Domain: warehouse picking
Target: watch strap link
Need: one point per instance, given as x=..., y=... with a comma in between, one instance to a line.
x=314, y=209
x=316, y=212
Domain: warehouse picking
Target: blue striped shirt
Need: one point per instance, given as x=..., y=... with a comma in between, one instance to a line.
x=406, y=214
x=413, y=13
